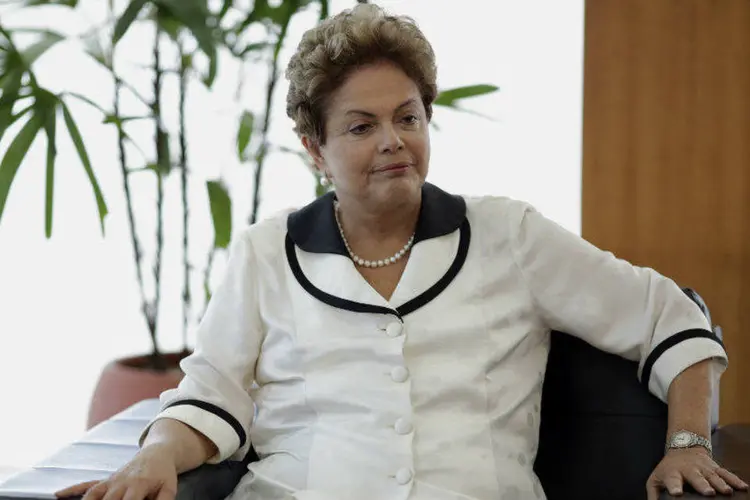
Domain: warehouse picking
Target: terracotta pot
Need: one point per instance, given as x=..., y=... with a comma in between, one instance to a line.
x=124, y=382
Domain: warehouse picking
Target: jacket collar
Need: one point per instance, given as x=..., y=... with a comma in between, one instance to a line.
x=313, y=228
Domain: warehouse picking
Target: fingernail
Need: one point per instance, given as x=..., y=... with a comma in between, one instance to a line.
x=675, y=492
x=709, y=491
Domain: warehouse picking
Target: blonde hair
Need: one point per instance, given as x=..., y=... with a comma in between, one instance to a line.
x=331, y=51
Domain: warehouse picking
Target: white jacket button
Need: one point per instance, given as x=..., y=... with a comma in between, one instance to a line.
x=403, y=426
x=403, y=476
x=394, y=329
x=399, y=374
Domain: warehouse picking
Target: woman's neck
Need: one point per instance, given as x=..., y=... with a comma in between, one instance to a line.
x=378, y=229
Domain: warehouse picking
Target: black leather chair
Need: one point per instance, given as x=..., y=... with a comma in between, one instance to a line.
x=599, y=421
x=602, y=433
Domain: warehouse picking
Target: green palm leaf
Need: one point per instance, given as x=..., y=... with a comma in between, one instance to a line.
x=221, y=213
x=450, y=97
x=64, y=3
x=194, y=15
x=10, y=85
x=15, y=154
x=50, y=122
x=244, y=133
x=75, y=135
x=128, y=17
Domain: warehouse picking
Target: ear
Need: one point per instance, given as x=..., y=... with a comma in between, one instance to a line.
x=313, y=149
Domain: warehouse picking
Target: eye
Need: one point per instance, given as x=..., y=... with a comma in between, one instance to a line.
x=360, y=129
x=411, y=119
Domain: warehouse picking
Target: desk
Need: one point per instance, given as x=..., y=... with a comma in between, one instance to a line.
x=732, y=451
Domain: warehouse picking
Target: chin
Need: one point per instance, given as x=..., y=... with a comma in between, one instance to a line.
x=401, y=188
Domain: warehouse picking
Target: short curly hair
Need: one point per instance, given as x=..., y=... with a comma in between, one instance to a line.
x=331, y=51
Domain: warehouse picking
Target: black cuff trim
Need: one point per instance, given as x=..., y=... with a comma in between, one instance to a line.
x=670, y=342
x=219, y=412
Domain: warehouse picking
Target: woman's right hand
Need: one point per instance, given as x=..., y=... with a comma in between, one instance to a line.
x=151, y=474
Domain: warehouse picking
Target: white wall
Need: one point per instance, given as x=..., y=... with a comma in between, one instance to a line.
x=70, y=304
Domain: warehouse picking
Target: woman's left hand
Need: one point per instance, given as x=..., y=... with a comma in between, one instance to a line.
x=693, y=466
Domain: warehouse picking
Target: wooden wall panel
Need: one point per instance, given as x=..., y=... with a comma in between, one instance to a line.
x=666, y=154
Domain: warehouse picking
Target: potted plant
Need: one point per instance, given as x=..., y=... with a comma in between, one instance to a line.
x=197, y=34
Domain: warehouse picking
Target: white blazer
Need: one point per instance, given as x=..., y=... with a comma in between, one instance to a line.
x=431, y=395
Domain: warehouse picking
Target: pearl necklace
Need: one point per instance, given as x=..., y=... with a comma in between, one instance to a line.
x=370, y=263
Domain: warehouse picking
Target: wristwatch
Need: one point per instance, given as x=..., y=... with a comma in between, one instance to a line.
x=687, y=439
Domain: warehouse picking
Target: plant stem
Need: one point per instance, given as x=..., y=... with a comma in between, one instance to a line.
x=133, y=90
x=137, y=254
x=160, y=137
x=186, y=296
x=260, y=157
x=263, y=149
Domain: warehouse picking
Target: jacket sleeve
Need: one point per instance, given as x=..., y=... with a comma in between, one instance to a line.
x=213, y=397
x=617, y=307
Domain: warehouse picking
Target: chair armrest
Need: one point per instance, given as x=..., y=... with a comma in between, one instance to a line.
x=210, y=482
x=732, y=451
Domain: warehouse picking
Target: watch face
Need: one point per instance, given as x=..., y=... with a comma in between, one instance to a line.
x=681, y=439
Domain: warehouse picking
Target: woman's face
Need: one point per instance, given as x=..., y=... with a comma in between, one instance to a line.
x=377, y=146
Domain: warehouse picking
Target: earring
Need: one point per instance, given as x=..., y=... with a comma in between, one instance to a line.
x=325, y=179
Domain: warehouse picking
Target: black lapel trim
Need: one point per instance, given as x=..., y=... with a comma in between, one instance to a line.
x=313, y=228
x=219, y=412
x=327, y=298
x=404, y=309
x=441, y=213
x=448, y=277
x=670, y=342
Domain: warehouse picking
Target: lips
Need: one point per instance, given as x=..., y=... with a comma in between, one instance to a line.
x=394, y=166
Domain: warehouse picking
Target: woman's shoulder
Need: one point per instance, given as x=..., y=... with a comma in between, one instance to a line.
x=494, y=209
x=267, y=235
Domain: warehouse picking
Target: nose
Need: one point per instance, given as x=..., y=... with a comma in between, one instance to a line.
x=390, y=140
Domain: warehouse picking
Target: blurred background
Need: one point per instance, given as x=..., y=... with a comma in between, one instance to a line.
x=626, y=122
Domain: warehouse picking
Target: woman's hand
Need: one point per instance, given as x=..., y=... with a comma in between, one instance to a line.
x=150, y=475
x=695, y=467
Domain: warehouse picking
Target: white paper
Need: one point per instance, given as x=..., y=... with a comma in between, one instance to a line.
x=43, y=483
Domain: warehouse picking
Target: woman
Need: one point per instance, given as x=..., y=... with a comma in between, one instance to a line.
x=392, y=337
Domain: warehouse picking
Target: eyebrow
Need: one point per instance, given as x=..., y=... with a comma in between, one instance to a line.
x=404, y=104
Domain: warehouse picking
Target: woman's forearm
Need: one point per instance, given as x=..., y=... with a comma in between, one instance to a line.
x=690, y=396
x=183, y=444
